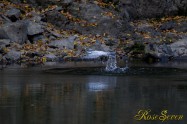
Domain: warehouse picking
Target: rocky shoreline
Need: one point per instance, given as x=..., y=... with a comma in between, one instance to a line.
x=34, y=35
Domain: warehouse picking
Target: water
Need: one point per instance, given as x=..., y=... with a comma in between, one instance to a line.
x=34, y=97
x=111, y=64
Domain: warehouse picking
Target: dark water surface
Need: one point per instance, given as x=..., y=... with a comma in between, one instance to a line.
x=35, y=97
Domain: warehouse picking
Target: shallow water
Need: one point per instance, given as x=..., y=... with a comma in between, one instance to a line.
x=35, y=97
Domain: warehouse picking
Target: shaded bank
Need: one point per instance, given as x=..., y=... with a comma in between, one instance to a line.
x=131, y=8
x=63, y=32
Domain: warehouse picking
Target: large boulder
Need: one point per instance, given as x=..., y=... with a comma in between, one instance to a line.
x=152, y=8
x=63, y=43
x=4, y=42
x=3, y=34
x=13, y=55
x=14, y=14
x=91, y=19
x=16, y=31
x=175, y=50
x=128, y=8
x=159, y=50
x=179, y=48
x=34, y=28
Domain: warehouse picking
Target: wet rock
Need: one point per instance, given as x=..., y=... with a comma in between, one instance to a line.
x=176, y=50
x=166, y=50
x=34, y=28
x=16, y=31
x=179, y=48
x=158, y=51
x=63, y=43
x=14, y=14
x=13, y=55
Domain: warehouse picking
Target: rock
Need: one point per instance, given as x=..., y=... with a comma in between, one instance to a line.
x=146, y=28
x=172, y=37
x=96, y=20
x=149, y=58
x=5, y=19
x=16, y=31
x=34, y=28
x=182, y=27
x=15, y=1
x=51, y=57
x=57, y=19
x=100, y=47
x=130, y=9
x=4, y=42
x=1, y=57
x=138, y=9
x=59, y=8
x=3, y=34
x=168, y=25
x=67, y=1
x=13, y=55
x=52, y=38
x=158, y=50
x=164, y=52
x=54, y=33
x=14, y=14
x=36, y=18
x=179, y=48
x=63, y=43
x=37, y=37
x=1, y=5
x=86, y=11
